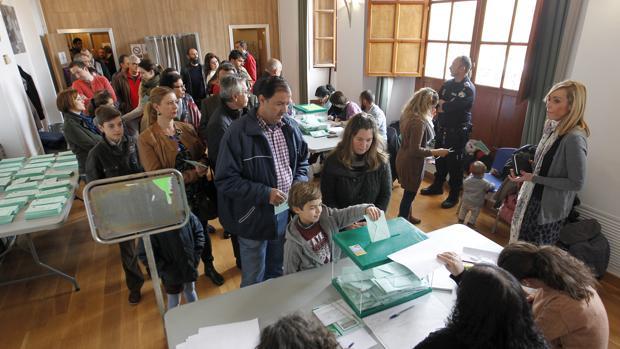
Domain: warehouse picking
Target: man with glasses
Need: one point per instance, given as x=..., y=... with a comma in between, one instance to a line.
x=126, y=84
x=87, y=84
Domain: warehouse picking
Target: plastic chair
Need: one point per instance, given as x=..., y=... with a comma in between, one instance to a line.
x=501, y=157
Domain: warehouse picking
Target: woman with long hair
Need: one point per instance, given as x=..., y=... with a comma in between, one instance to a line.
x=357, y=171
x=566, y=306
x=212, y=62
x=168, y=143
x=558, y=171
x=491, y=311
x=416, y=129
x=187, y=110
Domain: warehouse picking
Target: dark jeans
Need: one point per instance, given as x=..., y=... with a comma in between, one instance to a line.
x=234, y=241
x=453, y=165
x=207, y=251
x=405, y=204
x=129, y=258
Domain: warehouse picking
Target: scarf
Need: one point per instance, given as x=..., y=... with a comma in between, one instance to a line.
x=546, y=142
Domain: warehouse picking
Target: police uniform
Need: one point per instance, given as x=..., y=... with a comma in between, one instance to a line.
x=452, y=129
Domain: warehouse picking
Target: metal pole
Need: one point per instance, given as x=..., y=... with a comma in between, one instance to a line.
x=154, y=275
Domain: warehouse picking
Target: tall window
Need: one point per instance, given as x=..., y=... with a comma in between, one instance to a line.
x=494, y=33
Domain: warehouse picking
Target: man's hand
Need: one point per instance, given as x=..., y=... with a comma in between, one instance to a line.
x=524, y=177
x=276, y=197
x=452, y=261
x=373, y=212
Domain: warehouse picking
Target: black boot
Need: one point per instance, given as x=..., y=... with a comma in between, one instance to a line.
x=212, y=274
x=451, y=200
x=433, y=189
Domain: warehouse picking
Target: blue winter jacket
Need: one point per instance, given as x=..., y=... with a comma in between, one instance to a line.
x=245, y=173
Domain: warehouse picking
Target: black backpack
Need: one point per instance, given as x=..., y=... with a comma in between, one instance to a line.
x=584, y=240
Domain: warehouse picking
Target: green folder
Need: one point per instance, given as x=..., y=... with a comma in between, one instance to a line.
x=43, y=156
x=10, y=166
x=66, y=158
x=7, y=219
x=357, y=246
x=38, y=171
x=64, y=153
x=37, y=165
x=49, y=200
x=40, y=161
x=65, y=165
x=9, y=171
x=4, y=182
x=9, y=210
x=65, y=183
x=309, y=108
x=59, y=174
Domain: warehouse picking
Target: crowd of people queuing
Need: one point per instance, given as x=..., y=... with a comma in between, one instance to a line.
x=238, y=121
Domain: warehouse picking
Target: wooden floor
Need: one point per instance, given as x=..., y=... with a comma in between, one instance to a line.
x=47, y=313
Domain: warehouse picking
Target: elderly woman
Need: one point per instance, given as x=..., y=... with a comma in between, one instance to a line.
x=358, y=170
x=559, y=168
x=416, y=128
x=80, y=130
x=167, y=144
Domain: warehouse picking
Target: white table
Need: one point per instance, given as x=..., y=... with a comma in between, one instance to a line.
x=21, y=226
x=270, y=300
x=321, y=144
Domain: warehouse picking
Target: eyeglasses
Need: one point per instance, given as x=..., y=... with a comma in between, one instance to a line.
x=80, y=98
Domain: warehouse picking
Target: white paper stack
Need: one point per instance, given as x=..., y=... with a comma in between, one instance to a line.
x=236, y=335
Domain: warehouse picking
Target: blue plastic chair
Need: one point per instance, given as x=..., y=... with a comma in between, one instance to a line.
x=501, y=157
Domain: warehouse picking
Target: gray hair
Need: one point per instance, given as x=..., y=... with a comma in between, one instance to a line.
x=466, y=62
x=230, y=86
x=273, y=64
x=134, y=59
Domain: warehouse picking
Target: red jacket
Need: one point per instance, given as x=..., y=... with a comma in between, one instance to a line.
x=88, y=89
x=250, y=66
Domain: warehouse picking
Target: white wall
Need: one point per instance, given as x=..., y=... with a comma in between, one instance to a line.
x=18, y=131
x=33, y=60
x=289, y=44
x=596, y=65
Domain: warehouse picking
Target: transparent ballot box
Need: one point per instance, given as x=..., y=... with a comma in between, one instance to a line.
x=373, y=282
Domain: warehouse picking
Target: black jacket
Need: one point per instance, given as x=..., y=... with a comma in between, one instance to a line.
x=197, y=92
x=245, y=174
x=106, y=160
x=79, y=137
x=218, y=124
x=177, y=252
x=342, y=187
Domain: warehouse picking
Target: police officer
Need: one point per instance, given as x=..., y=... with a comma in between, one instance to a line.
x=452, y=129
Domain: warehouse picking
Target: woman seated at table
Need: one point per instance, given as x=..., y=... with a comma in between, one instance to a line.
x=80, y=130
x=566, y=306
x=168, y=144
x=491, y=311
x=358, y=170
x=342, y=109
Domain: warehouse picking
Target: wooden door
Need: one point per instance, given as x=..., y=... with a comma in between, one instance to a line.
x=58, y=58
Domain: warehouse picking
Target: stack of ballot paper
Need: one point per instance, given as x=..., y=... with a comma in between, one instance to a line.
x=60, y=191
x=4, y=182
x=37, y=171
x=66, y=158
x=43, y=211
x=47, y=160
x=17, y=160
x=59, y=174
x=64, y=153
x=9, y=171
x=65, y=165
x=19, y=202
x=236, y=335
x=21, y=186
x=53, y=183
x=7, y=214
x=42, y=163
x=379, y=286
x=348, y=329
x=30, y=194
x=59, y=199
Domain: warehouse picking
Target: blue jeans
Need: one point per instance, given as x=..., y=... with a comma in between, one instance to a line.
x=262, y=259
x=189, y=291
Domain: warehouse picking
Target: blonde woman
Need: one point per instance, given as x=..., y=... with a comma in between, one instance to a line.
x=559, y=168
x=416, y=129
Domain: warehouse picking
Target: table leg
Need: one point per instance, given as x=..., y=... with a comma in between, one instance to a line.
x=53, y=271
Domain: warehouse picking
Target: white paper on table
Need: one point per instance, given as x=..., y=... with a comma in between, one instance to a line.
x=378, y=230
x=236, y=335
x=361, y=339
x=411, y=326
x=442, y=280
x=479, y=255
x=421, y=258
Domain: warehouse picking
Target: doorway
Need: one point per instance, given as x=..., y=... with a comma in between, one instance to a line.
x=257, y=37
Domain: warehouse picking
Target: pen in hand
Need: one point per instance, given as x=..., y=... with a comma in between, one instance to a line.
x=394, y=316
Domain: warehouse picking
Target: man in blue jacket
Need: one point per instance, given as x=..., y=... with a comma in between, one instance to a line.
x=260, y=156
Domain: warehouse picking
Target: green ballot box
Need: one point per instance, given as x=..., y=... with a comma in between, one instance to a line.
x=376, y=283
